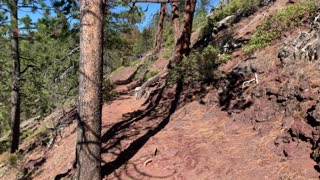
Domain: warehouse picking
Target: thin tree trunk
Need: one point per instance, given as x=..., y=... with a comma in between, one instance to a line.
x=175, y=21
x=90, y=89
x=182, y=47
x=15, y=91
x=159, y=33
x=183, y=42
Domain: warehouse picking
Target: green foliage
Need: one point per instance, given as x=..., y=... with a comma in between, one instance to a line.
x=9, y=158
x=123, y=40
x=144, y=42
x=4, y=146
x=5, y=84
x=41, y=132
x=224, y=58
x=52, y=78
x=12, y=158
x=135, y=63
x=108, y=94
x=150, y=74
x=168, y=37
x=167, y=53
x=148, y=62
x=199, y=66
x=239, y=7
x=283, y=20
x=118, y=69
x=200, y=16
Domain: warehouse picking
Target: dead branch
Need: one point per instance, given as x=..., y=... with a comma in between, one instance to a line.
x=147, y=162
x=28, y=66
x=70, y=53
x=255, y=79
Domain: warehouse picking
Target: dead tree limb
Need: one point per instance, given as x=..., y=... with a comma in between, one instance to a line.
x=25, y=69
x=152, y=80
x=70, y=53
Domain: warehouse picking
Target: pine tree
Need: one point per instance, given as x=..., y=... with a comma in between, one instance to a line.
x=15, y=86
x=90, y=89
x=158, y=41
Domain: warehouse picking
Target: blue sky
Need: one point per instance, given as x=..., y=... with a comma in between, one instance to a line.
x=152, y=9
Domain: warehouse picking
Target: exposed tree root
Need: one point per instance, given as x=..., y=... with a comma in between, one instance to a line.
x=141, y=90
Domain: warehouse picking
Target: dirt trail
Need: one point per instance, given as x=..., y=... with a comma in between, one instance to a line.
x=203, y=142
x=218, y=136
x=199, y=142
x=60, y=158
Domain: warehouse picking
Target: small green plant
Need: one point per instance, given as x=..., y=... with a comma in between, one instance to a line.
x=224, y=58
x=200, y=66
x=118, y=69
x=283, y=20
x=4, y=146
x=12, y=159
x=135, y=63
x=167, y=53
x=108, y=94
x=9, y=158
x=239, y=7
x=150, y=74
x=40, y=132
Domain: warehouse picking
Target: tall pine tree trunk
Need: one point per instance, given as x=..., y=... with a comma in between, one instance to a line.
x=159, y=33
x=90, y=85
x=15, y=87
x=183, y=42
x=175, y=21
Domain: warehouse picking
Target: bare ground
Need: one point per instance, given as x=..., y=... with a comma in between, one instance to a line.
x=223, y=132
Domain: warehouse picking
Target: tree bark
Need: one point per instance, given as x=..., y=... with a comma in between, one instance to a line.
x=175, y=21
x=183, y=42
x=182, y=47
x=15, y=87
x=159, y=33
x=90, y=89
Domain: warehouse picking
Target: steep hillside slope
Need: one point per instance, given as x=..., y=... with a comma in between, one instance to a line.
x=259, y=120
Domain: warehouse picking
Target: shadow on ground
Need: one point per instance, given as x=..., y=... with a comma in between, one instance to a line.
x=137, y=128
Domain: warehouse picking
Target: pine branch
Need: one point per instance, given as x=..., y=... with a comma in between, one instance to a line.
x=25, y=69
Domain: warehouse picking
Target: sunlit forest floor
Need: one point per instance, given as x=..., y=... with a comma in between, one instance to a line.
x=264, y=130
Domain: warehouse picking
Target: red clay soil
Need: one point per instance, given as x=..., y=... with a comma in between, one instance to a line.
x=228, y=133
x=123, y=76
x=200, y=140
